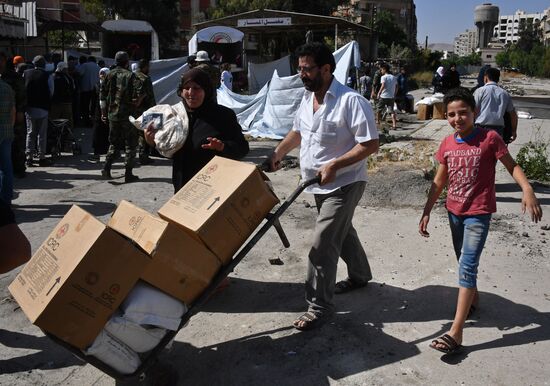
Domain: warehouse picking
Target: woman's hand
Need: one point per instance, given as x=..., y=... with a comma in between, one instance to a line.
x=213, y=144
x=149, y=135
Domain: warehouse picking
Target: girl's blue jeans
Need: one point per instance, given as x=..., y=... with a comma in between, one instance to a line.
x=469, y=234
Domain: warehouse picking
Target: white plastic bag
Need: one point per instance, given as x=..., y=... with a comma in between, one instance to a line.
x=114, y=353
x=146, y=305
x=171, y=124
x=139, y=338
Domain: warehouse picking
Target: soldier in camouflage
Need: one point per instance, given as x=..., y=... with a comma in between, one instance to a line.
x=145, y=100
x=118, y=102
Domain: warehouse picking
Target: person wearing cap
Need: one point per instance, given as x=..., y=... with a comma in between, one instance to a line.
x=64, y=89
x=40, y=88
x=17, y=60
x=117, y=101
x=213, y=129
x=203, y=62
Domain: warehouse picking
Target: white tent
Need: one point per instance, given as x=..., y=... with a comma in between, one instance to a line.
x=216, y=34
x=270, y=113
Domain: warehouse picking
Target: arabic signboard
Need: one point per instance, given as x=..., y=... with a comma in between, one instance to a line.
x=264, y=22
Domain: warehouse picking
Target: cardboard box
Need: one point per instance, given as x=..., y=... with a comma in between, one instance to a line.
x=438, y=110
x=78, y=278
x=181, y=266
x=222, y=205
x=424, y=112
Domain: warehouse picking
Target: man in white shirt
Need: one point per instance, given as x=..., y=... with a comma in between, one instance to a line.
x=386, y=95
x=334, y=127
x=492, y=103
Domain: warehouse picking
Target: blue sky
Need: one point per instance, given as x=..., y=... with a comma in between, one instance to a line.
x=443, y=20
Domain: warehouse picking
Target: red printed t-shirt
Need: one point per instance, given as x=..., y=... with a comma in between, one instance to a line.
x=471, y=170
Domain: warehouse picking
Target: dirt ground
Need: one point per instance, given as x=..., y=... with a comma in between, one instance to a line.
x=379, y=335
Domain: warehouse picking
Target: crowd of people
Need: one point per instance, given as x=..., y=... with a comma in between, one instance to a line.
x=336, y=131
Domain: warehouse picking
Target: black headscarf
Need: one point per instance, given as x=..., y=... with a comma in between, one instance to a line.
x=202, y=79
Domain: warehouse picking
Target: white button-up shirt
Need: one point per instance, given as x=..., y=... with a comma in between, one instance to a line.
x=343, y=120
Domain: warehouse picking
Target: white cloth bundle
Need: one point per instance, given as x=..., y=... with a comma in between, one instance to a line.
x=171, y=124
x=139, y=338
x=436, y=98
x=146, y=305
x=116, y=354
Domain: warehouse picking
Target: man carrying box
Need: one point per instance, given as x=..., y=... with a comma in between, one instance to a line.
x=336, y=132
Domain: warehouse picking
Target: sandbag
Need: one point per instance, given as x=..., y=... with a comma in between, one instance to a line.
x=139, y=338
x=114, y=353
x=171, y=126
x=146, y=305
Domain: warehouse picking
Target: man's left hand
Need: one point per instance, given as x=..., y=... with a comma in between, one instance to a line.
x=327, y=173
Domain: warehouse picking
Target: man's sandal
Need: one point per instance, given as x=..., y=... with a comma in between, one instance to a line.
x=450, y=345
x=347, y=285
x=309, y=321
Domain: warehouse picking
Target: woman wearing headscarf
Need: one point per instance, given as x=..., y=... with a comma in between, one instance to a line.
x=437, y=80
x=100, y=141
x=213, y=129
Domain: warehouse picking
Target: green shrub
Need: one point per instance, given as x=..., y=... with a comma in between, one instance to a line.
x=533, y=159
x=422, y=79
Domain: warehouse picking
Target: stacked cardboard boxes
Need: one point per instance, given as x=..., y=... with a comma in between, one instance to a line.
x=438, y=110
x=424, y=112
x=222, y=205
x=78, y=278
x=180, y=265
x=84, y=270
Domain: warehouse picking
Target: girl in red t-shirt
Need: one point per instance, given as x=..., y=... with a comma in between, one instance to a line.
x=467, y=161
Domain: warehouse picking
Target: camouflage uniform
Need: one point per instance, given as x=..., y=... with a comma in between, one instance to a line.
x=118, y=92
x=146, y=96
x=17, y=84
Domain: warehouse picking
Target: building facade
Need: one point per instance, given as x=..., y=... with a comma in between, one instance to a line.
x=191, y=11
x=364, y=12
x=546, y=28
x=507, y=30
x=466, y=43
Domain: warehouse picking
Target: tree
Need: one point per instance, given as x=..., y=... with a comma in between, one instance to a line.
x=529, y=35
x=388, y=33
x=96, y=8
x=68, y=39
x=503, y=59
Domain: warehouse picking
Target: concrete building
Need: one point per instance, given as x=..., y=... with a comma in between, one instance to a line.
x=485, y=19
x=546, y=28
x=466, y=43
x=489, y=53
x=363, y=12
x=507, y=29
x=191, y=11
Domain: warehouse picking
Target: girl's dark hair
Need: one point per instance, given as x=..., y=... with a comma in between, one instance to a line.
x=459, y=94
x=320, y=53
